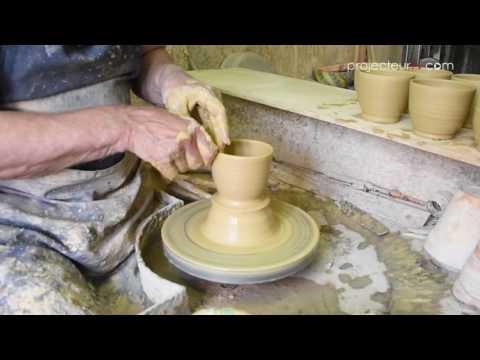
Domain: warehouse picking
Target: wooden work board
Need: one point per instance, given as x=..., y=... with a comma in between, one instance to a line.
x=330, y=104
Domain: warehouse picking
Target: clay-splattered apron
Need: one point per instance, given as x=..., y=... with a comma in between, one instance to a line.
x=53, y=226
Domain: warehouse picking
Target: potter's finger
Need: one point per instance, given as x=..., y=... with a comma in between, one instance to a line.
x=214, y=116
x=192, y=154
x=205, y=145
x=167, y=170
x=180, y=161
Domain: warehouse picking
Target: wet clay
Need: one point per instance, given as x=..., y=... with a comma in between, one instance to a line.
x=383, y=95
x=439, y=108
x=474, y=115
x=292, y=296
x=241, y=236
x=240, y=218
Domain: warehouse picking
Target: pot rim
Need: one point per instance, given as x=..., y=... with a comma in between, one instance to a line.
x=474, y=78
x=426, y=70
x=389, y=74
x=268, y=150
x=443, y=84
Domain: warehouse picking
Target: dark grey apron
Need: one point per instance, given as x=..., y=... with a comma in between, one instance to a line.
x=53, y=226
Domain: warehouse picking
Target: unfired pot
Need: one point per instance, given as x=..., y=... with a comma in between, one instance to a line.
x=474, y=115
x=438, y=108
x=423, y=73
x=240, y=215
x=383, y=95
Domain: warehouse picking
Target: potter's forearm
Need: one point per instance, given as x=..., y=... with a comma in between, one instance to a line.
x=156, y=71
x=34, y=144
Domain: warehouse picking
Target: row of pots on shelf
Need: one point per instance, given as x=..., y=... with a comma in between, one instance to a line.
x=439, y=103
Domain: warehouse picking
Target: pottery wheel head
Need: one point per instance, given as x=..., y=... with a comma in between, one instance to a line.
x=187, y=248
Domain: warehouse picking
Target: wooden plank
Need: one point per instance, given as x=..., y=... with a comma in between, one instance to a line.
x=333, y=105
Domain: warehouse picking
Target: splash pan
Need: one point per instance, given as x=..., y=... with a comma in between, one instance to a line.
x=293, y=246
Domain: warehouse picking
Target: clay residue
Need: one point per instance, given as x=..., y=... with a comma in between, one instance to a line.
x=392, y=136
x=158, y=263
x=377, y=130
x=417, y=287
x=345, y=121
x=363, y=245
x=462, y=142
x=346, y=266
x=381, y=297
x=360, y=282
x=292, y=296
x=357, y=282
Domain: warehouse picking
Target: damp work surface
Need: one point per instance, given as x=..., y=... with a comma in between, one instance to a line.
x=357, y=270
x=333, y=105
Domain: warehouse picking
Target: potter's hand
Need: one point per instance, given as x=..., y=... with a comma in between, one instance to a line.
x=180, y=94
x=171, y=143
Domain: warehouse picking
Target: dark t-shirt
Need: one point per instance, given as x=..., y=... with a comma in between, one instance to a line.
x=30, y=72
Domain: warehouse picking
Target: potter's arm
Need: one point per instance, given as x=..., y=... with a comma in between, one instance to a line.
x=34, y=144
x=165, y=84
x=156, y=67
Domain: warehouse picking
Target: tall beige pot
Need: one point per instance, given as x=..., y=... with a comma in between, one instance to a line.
x=240, y=216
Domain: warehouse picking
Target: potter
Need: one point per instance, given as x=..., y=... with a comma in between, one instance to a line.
x=72, y=145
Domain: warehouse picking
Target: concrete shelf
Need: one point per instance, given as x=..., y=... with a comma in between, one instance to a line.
x=332, y=105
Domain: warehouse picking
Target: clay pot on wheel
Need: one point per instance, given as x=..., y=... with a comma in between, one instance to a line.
x=438, y=108
x=240, y=216
x=474, y=115
x=383, y=95
x=457, y=233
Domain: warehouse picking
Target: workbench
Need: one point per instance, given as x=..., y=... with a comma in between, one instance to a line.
x=332, y=105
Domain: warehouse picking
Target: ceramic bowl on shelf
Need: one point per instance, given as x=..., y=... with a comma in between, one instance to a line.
x=383, y=94
x=474, y=115
x=424, y=73
x=438, y=108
